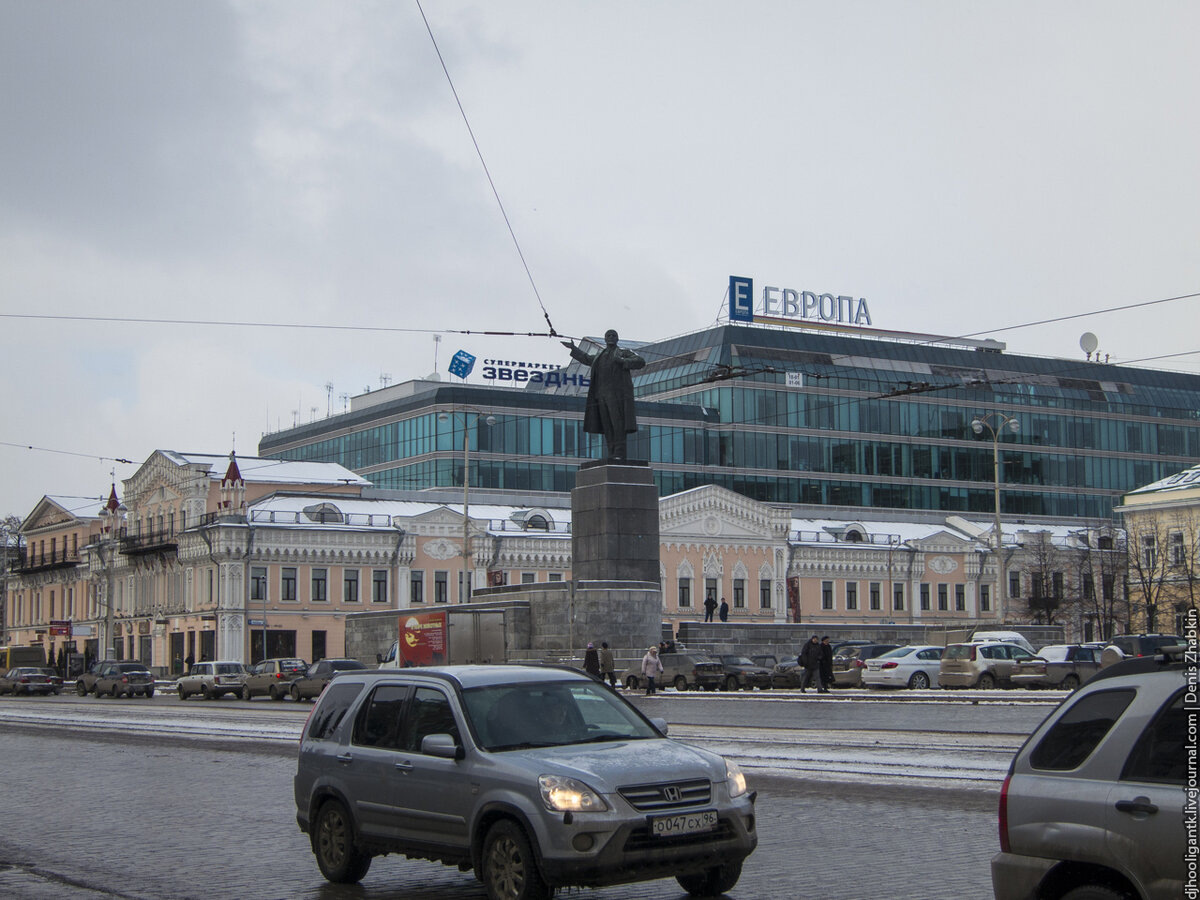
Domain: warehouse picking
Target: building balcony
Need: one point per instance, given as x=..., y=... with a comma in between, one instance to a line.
x=41, y=562
x=151, y=542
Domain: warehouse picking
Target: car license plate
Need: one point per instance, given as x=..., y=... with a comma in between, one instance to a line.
x=684, y=823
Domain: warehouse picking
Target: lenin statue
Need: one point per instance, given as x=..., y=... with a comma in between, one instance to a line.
x=609, y=408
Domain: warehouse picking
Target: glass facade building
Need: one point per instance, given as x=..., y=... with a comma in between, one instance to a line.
x=797, y=416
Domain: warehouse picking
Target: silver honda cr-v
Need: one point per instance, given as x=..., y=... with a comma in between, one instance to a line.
x=534, y=777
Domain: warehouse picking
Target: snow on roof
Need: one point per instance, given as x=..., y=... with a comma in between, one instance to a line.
x=307, y=509
x=1185, y=480
x=885, y=533
x=812, y=531
x=273, y=471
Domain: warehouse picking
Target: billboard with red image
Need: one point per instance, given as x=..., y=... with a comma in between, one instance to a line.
x=423, y=639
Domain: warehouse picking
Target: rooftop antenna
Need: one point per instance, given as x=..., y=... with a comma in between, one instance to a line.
x=437, y=340
x=1088, y=343
x=384, y=379
x=313, y=413
x=345, y=398
x=328, y=398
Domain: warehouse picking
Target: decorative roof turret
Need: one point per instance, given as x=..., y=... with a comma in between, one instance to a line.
x=233, y=487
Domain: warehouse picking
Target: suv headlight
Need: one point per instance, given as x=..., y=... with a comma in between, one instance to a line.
x=734, y=778
x=562, y=794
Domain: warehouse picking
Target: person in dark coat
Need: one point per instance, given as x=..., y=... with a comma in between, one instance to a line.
x=609, y=410
x=710, y=607
x=826, y=665
x=724, y=612
x=591, y=661
x=607, y=667
x=810, y=660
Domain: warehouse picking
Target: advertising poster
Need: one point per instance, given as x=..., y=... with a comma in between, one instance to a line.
x=423, y=639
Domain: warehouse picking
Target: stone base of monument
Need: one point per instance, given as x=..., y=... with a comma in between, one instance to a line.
x=616, y=596
x=614, y=523
x=548, y=621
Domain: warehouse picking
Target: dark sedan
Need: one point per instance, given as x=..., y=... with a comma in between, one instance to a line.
x=124, y=679
x=1057, y=666
x=319, y=674
x=740, y=672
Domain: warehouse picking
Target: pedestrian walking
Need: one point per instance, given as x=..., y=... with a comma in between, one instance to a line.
x=724, y=613
x=810, y=660
x=607, y=668
x=651, y=667
x=591, y=661
x=826, y=665
x=710, y=607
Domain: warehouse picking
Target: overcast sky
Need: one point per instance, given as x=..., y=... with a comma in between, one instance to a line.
x=964, y=167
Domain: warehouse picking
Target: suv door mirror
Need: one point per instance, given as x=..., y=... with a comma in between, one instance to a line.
x=443, y=746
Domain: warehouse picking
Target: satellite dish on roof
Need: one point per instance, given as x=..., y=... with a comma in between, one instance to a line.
x=1088, y=342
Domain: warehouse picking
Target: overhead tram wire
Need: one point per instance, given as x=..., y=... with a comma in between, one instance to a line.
x=116, y=459
x=482, y=162
x=227, y=323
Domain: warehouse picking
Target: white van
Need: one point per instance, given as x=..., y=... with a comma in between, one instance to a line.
x=1009, y=637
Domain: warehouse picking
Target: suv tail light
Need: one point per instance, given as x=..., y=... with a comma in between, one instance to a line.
x=859, y=664
x=1004, y=848
x=974, y=653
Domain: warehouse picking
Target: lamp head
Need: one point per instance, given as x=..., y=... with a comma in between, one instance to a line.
x=1014, y=426
x=977, y=425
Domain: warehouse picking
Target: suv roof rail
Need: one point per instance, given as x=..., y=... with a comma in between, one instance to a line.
x=1171, y=657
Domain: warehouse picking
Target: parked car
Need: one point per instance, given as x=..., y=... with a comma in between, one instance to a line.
x=984, y=665
x=124, y=679
x=536, y=777
x=853, y=642
x=1008, y=637
x=56, y=680
x=787, y=673
x=683, y=671
x=85, y=683
x=850, y=660
x=1057, y=666
x=766, y=660
x=915, y=666
x=1093, y=807
x=319, y=674
x=26, y=680
x=1124, y=645
x=211, y=680
x=272, y=677
x=740, y=672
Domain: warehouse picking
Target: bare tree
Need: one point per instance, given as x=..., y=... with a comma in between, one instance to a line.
x=1045, y=572
x=1182, y=552
x=1102, y=562
x=1148, y=572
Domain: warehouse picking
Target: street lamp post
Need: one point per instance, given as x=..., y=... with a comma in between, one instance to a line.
x=465, y=590
x=112, y=518
x=6, y=534
x=995, y=423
